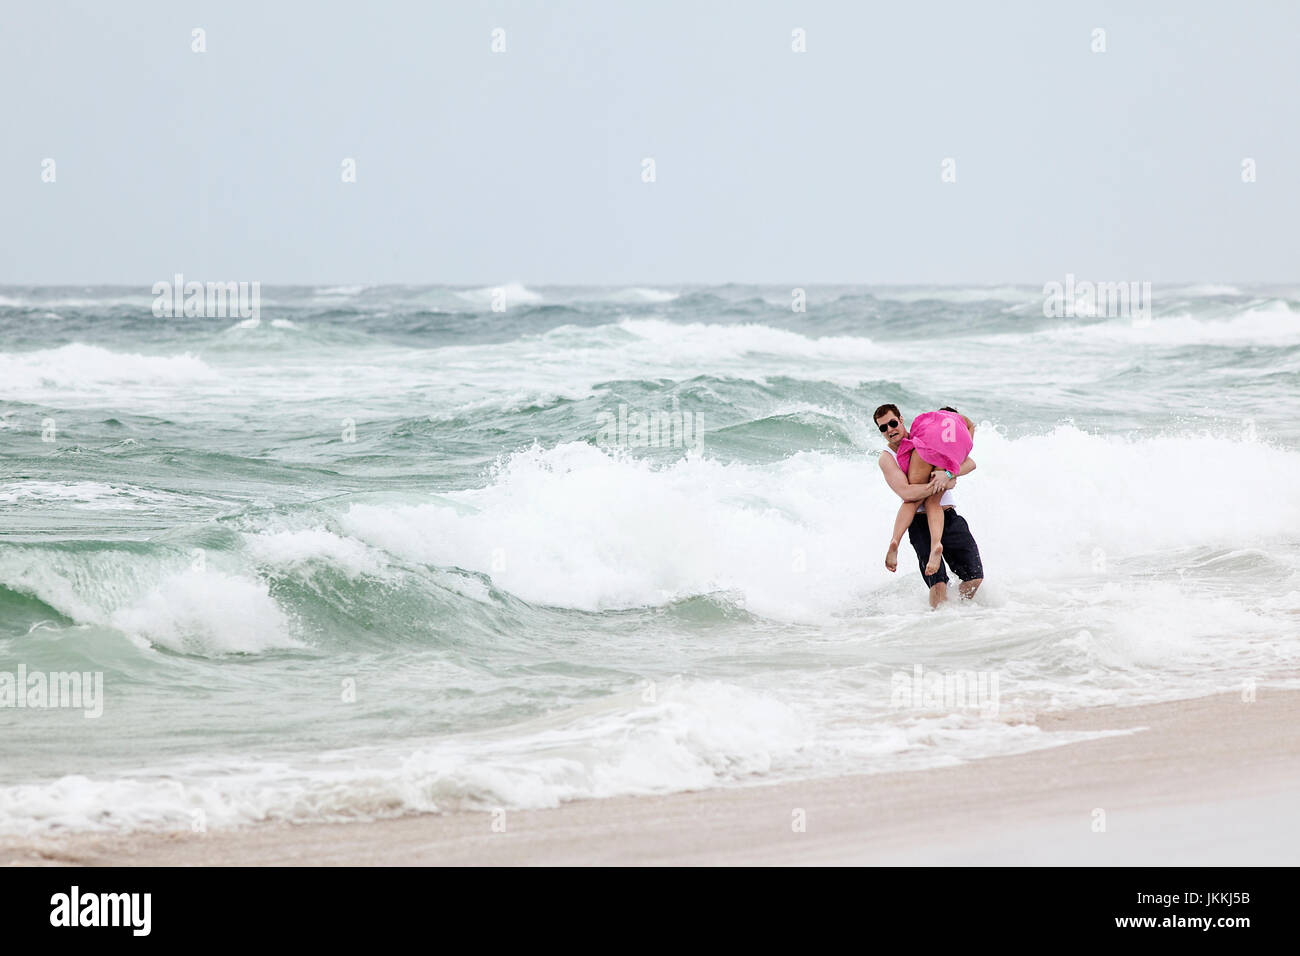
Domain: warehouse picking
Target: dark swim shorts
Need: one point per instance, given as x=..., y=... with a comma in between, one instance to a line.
x=960, y=552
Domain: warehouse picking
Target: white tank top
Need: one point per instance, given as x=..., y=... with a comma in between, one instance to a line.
x=947, y=501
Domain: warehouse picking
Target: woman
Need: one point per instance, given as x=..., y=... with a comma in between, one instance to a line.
x=942, y=440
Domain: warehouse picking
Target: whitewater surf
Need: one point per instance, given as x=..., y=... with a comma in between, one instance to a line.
x=374, y=554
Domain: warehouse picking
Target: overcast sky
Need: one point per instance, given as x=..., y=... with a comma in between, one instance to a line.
x=771, y=166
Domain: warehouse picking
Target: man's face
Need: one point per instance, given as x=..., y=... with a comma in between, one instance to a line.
x=892, y=428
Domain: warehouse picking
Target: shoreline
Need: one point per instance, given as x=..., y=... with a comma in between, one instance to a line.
x=1208, y=781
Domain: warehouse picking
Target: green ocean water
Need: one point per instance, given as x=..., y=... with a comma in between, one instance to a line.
x=376, y=550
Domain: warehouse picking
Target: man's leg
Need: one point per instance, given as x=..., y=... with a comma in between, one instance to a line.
x=962, y=554
x=918, y=533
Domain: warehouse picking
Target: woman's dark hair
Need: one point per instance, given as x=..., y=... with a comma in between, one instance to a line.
x=970, y=425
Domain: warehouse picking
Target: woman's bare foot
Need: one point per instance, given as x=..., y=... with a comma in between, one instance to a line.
x=891, y=556
x=936, y=555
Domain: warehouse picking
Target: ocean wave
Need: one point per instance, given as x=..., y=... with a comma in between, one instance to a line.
x=1210, y=289
x=577, y=528
x=799, y=539
x=281, y=550
x=660, y=737
x=639, y=295
x=206, y=533
x=519, y=400
x=87, y=495
x=45, y=299
x=78, y=366
x=802, y=426
x=701, y=343
x=161, y=596
x=688, y=735
x=207, y=612
x=1269, y=323
x=341, y=290
x=959, y=294
x=255, y=322
x=511, y=294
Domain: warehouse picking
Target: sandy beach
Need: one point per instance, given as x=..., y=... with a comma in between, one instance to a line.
x=1209, y=781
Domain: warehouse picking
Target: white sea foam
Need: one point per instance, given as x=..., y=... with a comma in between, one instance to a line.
x=635, y=295
x=661, y=340
x=1116, y=570
x=78, y=366
x=570, y=361
x=512, y=401
x=676, y=736
x=567, y=361
x=142, y=299
x=256, y=323
x=87, y=495
x=582, y=529
x=1268, y=323
x=300, y=548
x=1004, y=293
x=207, y=612
x=511, y=293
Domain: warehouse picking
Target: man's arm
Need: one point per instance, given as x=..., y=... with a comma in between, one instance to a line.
x=897, y=481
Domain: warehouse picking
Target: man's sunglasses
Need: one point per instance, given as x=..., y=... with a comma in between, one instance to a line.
x=892, y=423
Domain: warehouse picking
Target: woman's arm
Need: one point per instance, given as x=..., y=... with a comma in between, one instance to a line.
x=898, y=481
x=946, y=483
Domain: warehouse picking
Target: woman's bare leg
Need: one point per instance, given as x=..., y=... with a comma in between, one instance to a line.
x=905, y=515
x=918, y=473
x=934, y=518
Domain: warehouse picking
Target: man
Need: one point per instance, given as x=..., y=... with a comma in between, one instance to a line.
x=960, y=552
